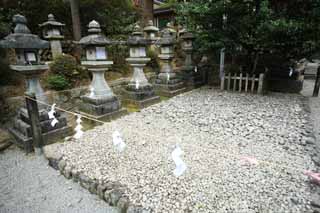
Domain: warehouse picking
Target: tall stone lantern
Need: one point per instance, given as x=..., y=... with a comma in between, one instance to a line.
x=139, y=91
x=52, y=32
x=167, y=82
x=151, y=32
x=27, y=46
x=100, y=102
x=190, y=73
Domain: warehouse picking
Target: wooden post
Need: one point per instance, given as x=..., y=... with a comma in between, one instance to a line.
x=33, y=113
x=317, y=84
x=229, y=80
x=234, y=82
x=252, y=82
x=247, y=82
x=222, y=83
x=260, y=84
x=240, y=82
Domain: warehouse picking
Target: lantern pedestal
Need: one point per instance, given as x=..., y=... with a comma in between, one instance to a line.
x=139, y=91
x=21, y=129
x=168, y=84
x=191, y=78
x=100, y=103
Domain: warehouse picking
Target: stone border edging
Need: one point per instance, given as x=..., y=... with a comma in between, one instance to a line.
x=111, y=192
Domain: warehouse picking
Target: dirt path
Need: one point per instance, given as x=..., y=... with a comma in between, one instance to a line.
x=28, y=184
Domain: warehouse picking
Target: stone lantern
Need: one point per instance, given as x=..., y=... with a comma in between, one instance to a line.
x=151, y=32
x=100, y=103
x=52, y=32
x=167, y=82
x=190, y=73
x=139, y=91
x=27, y=46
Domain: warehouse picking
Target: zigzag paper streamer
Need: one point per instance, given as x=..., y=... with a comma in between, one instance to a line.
x=78, y=128
x=52, y=111
x=180, y=165
x=118, y=141
x=54, y=122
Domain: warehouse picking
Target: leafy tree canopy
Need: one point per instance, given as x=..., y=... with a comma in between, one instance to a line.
x=286, y=28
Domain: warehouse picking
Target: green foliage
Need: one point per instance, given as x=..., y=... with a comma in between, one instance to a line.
x=289, y=29
x=153, y=63
x=57, y=82
x=115, y=16
x=67, y=67
x=118, y=54
x=7, y=76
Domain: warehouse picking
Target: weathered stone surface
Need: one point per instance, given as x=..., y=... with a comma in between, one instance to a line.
x=61, y=165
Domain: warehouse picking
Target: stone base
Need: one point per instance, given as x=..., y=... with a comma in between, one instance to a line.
x=142, y=103
x=192, y=80
x=22, y=131
x=170, y=90
x=100, y=109
x=50, y=137
x=108, y=116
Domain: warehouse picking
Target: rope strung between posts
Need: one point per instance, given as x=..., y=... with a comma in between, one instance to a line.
x=245, y=159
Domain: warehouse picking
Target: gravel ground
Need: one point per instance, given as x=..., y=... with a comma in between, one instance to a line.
x=28, y=184
x=215, y=130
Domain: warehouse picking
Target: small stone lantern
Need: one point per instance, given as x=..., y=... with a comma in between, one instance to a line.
x=27, y=46
x=52, y=32
x=167, y=82
x=100, y=102
x=190, y=73
x=139, y=91
x=151, y=32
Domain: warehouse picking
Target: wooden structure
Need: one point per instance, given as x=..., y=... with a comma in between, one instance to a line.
x=246, y=83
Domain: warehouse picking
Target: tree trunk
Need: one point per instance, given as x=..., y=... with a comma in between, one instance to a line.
x=255, y=62
x=76, y=25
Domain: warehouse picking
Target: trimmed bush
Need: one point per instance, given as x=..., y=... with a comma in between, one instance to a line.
x=57, y=82
x=67, y=67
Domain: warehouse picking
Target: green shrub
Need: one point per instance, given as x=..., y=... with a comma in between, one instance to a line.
x=153, y=63
x=67, y=67
x=57, y=82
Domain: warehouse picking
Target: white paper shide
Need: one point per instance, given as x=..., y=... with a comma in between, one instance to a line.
x=51, y=115
x=78, y=128
x=118, y=141
x=180, y=165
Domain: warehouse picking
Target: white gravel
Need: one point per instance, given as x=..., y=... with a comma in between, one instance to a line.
x=29, y=185
x=214, y=129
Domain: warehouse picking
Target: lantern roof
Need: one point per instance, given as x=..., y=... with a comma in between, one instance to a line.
x=95, y=36
x=167, y=38
x=150, y=27
x=22, y=38
x=186, y=35
x=51, y=22
x=137, y=37
x=171, y=28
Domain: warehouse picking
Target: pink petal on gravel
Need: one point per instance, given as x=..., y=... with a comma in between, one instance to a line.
x=249, y=160
x=315, y=177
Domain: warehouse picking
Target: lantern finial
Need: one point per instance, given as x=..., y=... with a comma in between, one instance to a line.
x=21, y=24
x=51, y=17
x=94, y=27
